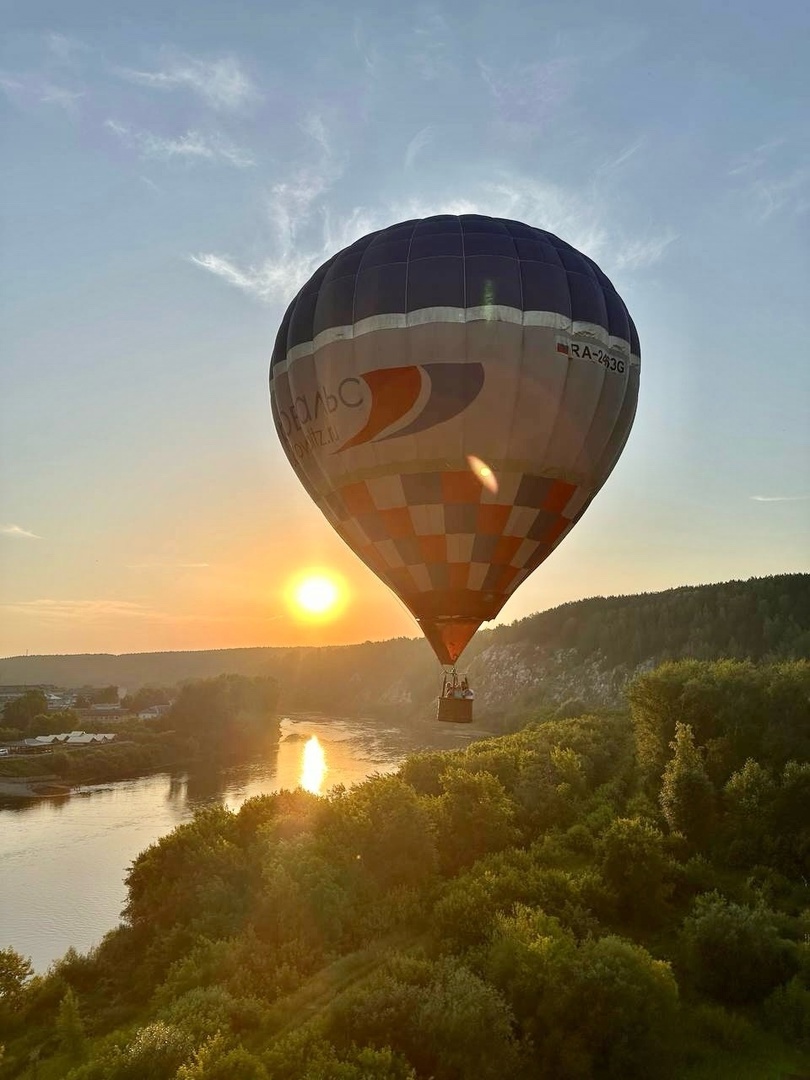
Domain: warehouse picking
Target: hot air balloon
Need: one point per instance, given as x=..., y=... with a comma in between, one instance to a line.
x=452, y=392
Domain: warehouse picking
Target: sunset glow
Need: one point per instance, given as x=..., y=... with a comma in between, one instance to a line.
x=316, y=596
x=142, y=144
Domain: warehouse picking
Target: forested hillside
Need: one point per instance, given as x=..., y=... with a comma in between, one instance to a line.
x=586, y=650
x=613, y=896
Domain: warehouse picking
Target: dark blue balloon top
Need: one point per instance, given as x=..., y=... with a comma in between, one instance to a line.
x=467, y=261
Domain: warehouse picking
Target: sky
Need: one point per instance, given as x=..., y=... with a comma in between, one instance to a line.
x=174, y=172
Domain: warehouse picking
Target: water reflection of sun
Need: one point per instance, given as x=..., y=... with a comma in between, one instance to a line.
x=313, y=766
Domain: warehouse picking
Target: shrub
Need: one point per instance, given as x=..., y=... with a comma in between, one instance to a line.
x=216, y=1061
x=787, y=1011
x=635, y=865
x=735, y=953
x=599, y=1008
x=446, y=1021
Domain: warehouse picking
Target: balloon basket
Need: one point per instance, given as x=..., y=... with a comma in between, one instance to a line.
x=453, y=710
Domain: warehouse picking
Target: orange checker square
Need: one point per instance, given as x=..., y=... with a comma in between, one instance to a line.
x=558, y=496
x=555, y=530
x=461, y=487
x=373, y=558
x=505, y=578
x=358, y=499
x=397, y=522
x=459, y=575
x=401, y=580
x=505, y=549
x=433, y=548
x=492, y=519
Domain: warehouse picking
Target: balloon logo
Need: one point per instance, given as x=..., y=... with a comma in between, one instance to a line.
x=452, y=392
x=395, y=392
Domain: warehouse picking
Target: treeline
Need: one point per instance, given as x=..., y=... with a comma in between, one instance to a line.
x=622, y=895
x=220, y=720
x=759, y=619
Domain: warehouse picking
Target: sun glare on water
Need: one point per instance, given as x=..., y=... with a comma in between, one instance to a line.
x=313, y=766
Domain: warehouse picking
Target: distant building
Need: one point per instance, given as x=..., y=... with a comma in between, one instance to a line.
x=64, y=738
x=84, y=738
x=153, y=711
x=58, y=697
x=11, y=692
x=57, y=702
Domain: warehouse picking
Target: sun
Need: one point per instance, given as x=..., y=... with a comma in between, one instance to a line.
x=316, y=595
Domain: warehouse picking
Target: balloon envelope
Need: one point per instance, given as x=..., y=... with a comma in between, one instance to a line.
x=452, y=392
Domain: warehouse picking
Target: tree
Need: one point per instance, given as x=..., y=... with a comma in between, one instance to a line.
x=736, y=709
x=215, y=1061
x=475, y=816
x=20, y=712
x=603, y=1007
x=195, y=873
x=386, y=828
x=735, y=952
x=634, y=864
x=146, y=696
x=69, y=1026
x=154, y=1052
x=305, y=1054
x=789, y=821
x=445, y=1020
x=225, y=709
x=747, y=799
x=15, y=971
x=687, y=794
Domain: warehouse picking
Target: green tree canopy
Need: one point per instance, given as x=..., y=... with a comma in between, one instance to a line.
x=20, y=712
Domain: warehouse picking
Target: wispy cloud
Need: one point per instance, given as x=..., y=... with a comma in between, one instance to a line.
x=615, y=161
x=432, y=36
x=297, y=214
x=221, y=83
x=530, y=94
x=308, y=233
x=58, y=95
x=81, y=609
x=639, y=252
x=789, y=192
x=27, y=90
x=779, y=498
x=194, y=145
x=368, y=51
x=99, y=611
x=64, y=47
x=18, y=532
x=168, y=566
x=421, y=140
x=775, y=177
x=756, y=158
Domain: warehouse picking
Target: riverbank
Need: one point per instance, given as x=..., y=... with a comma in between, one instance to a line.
x=33, y=787
x=63, y=860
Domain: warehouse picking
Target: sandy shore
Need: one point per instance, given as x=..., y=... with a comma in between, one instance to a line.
x=32, y=787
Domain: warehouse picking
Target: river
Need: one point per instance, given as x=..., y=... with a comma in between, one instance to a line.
x=63, y=861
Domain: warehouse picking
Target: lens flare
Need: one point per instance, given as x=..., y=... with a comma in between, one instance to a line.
x=484, y=473
x=313, y=766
